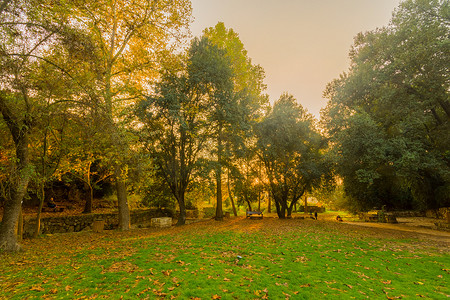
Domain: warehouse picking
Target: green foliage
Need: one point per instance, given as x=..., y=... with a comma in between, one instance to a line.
x=389, y=117
x=156, y=193
x=291, y=150
x=178, y=118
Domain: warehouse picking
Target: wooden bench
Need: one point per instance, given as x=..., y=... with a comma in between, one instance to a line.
x=250, y=214
x=53, y=209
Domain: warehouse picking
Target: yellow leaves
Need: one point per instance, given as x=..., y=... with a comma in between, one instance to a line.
x=280, y=284
x=37, y=288
x=216, y=297
x=262, y=293
x=181, y=263
x=122, y=266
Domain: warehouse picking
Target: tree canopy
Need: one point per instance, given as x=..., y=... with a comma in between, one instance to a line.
x=290, y=148
x=388, y=116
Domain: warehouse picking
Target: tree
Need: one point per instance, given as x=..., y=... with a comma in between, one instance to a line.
x=291, y=150
x=129, y=40
x=176, y=125
x=237, y=107
x=27, y=30
x=388, y=117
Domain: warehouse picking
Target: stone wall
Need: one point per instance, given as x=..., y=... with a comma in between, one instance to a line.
x=440, y=213
x=51, y=225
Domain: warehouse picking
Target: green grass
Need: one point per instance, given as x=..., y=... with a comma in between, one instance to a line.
x=314, y=261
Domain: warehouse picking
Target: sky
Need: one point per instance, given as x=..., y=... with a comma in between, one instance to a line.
x=301, y=44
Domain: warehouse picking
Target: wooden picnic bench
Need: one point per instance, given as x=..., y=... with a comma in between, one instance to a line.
x=250, y=214
x=53, y=209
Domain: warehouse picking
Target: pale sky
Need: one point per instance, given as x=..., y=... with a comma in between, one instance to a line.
x=301, y=44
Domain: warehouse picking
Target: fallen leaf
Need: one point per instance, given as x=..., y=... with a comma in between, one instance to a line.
x=37, y=288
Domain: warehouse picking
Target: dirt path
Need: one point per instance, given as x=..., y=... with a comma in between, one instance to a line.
x=416, y=230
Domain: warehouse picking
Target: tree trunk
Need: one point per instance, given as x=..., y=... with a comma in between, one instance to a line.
x=306, y=204
x=259, y=201
x=37, y=228
x=13, y=205
x=88, y=186
x=219, y=210
x=269, y=200
x=280, y=210
x=182, y=205
x=291, y=206
x=249, y=204
x=124, y=210
x=89, y=200
x=20, y=226
x=231, y=195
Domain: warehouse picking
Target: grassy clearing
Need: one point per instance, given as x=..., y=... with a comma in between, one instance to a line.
x=236, y=259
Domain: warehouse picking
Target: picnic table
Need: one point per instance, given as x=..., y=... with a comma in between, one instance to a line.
x=250, y=214
x=53, y=209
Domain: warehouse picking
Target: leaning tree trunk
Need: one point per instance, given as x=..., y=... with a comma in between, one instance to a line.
x=289, y=209
x=13, y=205
x=279, y=211
x=248, y=201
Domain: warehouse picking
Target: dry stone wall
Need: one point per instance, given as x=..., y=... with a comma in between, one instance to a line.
x=51, y=225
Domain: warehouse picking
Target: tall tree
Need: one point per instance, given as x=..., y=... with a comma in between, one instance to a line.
x=130, y=39
x=27, y=30
x=176, y=121
x=291, y=150
x=237, y=109
x=389, y=116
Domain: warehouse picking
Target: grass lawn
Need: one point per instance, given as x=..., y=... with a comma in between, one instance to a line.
x=234, y=259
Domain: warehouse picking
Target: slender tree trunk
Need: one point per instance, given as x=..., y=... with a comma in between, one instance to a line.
x=306, y=204
x=259, y=201
x=230, y=194
x=124, y=210
x=20, y=226
x=37, y=228
x=88, y=186
x=269, y=200
x=219, y=209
